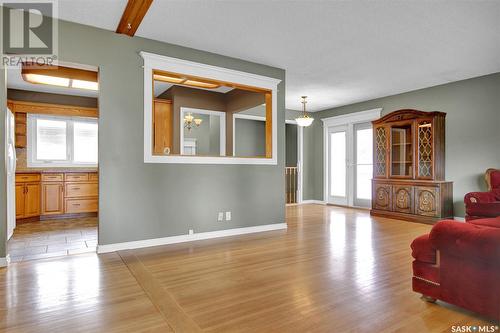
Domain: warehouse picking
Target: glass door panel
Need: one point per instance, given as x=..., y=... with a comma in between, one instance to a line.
x=363, y=164
x=424, y=147
x=402, y=151
x=338, y=165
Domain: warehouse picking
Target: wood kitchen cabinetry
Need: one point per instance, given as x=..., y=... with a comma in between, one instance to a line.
x=56, y=195
x=162, y=127
x=409, y=167
x=81, y=193
x=27, y=195
x=52, y=194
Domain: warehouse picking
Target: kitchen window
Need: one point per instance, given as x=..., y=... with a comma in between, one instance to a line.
x=61, y=141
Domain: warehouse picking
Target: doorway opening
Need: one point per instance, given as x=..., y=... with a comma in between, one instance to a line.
x=52, y=176
x=293, y=162
x=348, y=167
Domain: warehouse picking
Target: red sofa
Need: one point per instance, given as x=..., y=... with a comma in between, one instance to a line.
x=484, y=204
x=459, y=263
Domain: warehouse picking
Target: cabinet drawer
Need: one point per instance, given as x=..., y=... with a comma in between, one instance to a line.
x=27, y=177
x=73, y=206
x=77, y=190
x=93, y=177
x=53, y=177
x=427, y=201
x=76, y=177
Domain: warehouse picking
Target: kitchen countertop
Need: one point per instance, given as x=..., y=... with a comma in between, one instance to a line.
x=55, y=170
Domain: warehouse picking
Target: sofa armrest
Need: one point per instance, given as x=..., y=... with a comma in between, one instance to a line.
x=467, y=240
x=479, y=197
x=422, y=250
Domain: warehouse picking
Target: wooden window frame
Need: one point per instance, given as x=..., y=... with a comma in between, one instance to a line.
x=154, y=62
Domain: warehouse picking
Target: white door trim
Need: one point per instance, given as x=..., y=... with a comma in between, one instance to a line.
x=222, y=135
x=300, y=158
x=349, y=120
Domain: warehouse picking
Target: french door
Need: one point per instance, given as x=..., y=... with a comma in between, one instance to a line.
x=349, y=153
x=338, y=165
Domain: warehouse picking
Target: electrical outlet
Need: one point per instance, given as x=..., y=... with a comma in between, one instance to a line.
x=228, y=216
x=191, y=231
x=220, y=217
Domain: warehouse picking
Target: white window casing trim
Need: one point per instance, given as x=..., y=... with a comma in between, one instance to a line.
x=31, y=147
x=169, y=64
x=348, y=120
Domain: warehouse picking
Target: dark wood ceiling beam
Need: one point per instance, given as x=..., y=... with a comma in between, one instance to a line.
x=132, y=16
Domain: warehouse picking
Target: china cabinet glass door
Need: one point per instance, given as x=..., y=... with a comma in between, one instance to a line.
x=402, y=151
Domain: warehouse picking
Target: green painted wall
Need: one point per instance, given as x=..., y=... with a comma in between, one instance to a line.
x=472, y=132
x=250, y=137
x=291, y=145
x=141, y=201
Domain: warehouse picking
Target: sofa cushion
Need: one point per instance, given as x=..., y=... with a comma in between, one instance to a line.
x=488, y=222
x=422, y=250
x=467, y=240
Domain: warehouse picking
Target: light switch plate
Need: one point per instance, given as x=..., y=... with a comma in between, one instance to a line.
x=228, y=216
x=220, y=217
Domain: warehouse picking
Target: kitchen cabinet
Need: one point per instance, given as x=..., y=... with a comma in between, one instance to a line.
x=27, y=195
x=52, y=194
x=60, y=195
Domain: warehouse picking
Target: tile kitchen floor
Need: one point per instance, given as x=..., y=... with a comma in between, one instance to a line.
x=53, y=238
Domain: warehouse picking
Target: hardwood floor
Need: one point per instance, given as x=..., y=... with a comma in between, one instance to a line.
x=333, y=270
x=53, y=238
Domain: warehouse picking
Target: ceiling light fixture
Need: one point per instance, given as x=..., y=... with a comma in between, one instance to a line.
x=185, y=80
x=61, y=77
x=45, y=79
x=190, y=121
x=304, y=120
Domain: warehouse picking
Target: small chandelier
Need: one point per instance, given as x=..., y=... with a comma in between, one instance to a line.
x=190, y=120
x=304, y=120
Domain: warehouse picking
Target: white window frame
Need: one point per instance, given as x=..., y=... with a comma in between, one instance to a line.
x=220, y=114
x=169, y=64
x=31, y=150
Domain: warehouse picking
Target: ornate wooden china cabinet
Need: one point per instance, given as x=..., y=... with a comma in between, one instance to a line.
x=408, y=167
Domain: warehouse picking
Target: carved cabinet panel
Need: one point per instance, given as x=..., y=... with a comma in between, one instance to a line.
x=427, y=201
x=382, y=194
x=402, y=200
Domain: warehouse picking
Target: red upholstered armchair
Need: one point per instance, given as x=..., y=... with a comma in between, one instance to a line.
x=459, y=263
x=484, y=204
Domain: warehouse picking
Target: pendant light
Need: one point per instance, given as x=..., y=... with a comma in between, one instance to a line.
x=304, y=120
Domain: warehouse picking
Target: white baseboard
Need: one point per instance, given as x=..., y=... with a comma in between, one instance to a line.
x=4, y=262
x=188, y=238
x=317, y=202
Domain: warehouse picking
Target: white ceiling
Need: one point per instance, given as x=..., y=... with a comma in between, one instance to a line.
x=336, y=52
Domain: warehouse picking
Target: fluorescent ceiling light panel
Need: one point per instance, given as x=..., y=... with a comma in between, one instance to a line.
x=45, y=79
x=81, y=84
